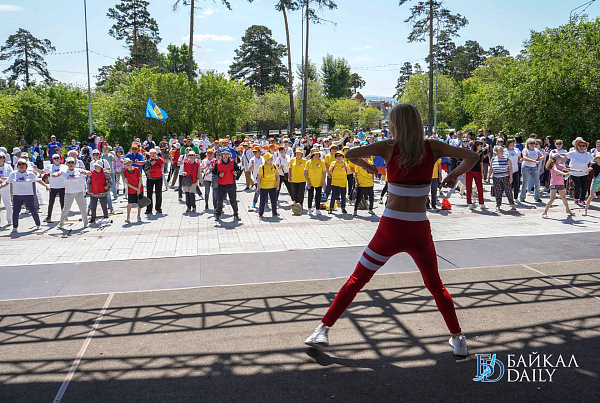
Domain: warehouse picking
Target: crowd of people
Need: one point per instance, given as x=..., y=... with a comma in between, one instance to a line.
x=309, y=166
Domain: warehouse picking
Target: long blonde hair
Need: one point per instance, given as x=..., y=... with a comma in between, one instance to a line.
x=408, y=135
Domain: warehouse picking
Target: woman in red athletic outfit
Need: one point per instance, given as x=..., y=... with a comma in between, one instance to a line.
x=404, y=226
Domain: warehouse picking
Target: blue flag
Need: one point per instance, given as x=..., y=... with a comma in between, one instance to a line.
x=153, y=111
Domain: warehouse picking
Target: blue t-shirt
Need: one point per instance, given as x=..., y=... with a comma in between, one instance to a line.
x=520, y=147
x=74, y=147
x=135, y=158
x=36, y=149
x=53, y=146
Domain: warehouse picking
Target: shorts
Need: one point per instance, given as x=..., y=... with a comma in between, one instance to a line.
x=133, y=198
x=595, y=186
x=557, y=187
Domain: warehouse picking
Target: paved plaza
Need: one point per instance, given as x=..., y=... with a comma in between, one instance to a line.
x=176, y=234
x=180, y=308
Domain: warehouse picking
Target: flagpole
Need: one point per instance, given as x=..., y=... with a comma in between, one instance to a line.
x=87, y=54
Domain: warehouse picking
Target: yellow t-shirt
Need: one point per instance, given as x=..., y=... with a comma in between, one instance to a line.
x=436, y=168
x=267, y=173
x=363, y=178
x=328, y=160
x=338, y=174
x=315, y=170
x=297, y=166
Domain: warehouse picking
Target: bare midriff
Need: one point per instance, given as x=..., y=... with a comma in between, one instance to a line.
x=408, y=204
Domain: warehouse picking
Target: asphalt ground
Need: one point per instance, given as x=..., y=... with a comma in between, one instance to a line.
x=244, y=343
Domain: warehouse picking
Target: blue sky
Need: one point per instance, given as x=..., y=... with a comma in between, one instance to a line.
x=371, y=35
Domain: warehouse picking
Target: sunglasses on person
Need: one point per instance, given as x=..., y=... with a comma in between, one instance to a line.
x=55, y=158
x=70, y=162
x=21, y=163
x=134, y=149
x=581, y=145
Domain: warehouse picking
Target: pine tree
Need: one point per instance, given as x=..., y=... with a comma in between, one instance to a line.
x=135, y=26
x=258, y=60
x=428, y=16
x=28, y=52
x=178, y=60
x=356, y=82
x=405, y=72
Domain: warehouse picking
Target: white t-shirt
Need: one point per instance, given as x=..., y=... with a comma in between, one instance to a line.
x=257, y=163
x=105, y=164
x=5, y=170
x=203, y=145
x=21, y=182
x=247, y=158
x=181, y=159
x=579, y=161
x=531, y=154
x=289, y=152
x=55, y=183
x=284, y=163
x=206, y=163
x=513, y=156
x=74, y=180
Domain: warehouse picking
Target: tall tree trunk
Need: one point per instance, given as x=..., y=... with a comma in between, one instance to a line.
x=26, y=67
x=135, y=48
x=190, y=56
x=430, y=114
x=305, y=78
x=290, y=73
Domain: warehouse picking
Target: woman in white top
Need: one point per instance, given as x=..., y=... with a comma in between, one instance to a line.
x=57, y=185
x=532, y=158
x=282, y=161
x=255, y=164
x=23, y=192
x=75, y=186
x=5, y=170
x=580, y=161
x=207, y=166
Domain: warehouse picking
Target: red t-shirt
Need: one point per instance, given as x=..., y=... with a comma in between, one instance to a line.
x=156, y=170
x=133, y=178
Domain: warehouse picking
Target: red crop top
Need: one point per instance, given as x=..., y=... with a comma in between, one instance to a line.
x=419, y=174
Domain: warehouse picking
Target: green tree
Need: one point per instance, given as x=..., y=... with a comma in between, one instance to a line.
x=178, y=60
x=8, y=120
x=370, y=117
x=336, y=76
x=224, y=105
x=356, y=82
x=258, y=60
x=28, y=52
x=313, y=73
x=405, y=72
x=34, y=116
x=425, y=16
x=109, y=77
x=466, y=59
x=316, y=105
x=343, y=111
x=415, y=92
x=272, y=108
x=134, y=25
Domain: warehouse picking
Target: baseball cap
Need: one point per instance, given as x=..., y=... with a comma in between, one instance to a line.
x=70, y=159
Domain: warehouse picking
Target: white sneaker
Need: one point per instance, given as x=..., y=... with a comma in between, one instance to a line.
x=318, y=212
x=319, y=338
x=459, y=345
x=483, y=207
x=471, y=206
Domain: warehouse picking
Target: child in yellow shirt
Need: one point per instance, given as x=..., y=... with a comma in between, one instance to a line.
x=338, y=171
x=365, y=184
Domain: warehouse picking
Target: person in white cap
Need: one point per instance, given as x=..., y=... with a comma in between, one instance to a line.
x=57, y=185
x=98, y=185
x=5, y=170
x=74, y=190
x=23, y=192
x=16, y=152
x=107, y=168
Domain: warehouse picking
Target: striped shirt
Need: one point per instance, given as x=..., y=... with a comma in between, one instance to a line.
x=500, y=167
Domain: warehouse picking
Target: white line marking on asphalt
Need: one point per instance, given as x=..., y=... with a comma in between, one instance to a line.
x=563, y=282
x=79, y=357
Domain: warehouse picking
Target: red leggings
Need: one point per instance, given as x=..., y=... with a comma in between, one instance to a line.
x=395, y=236
x=478, y=182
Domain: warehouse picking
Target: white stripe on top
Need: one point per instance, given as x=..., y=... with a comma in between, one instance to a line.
x=410, y=192
x=403, y=215
x=368, y=264
x=376, y=256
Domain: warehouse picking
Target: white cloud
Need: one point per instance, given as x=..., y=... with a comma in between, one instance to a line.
x=228, y=62
x=208, y=37
x=208, y=12
x=10, y=7
x=363, y=48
